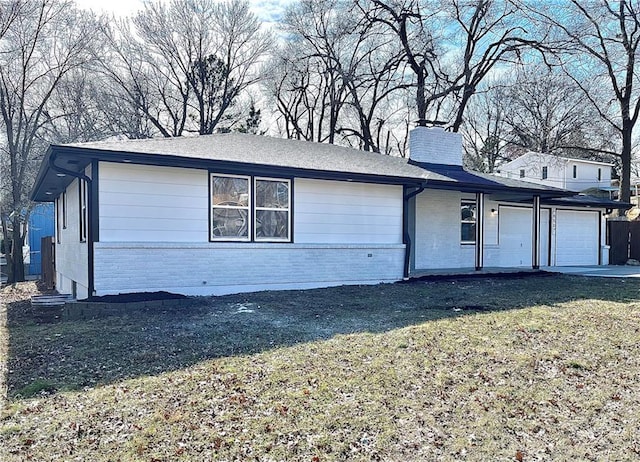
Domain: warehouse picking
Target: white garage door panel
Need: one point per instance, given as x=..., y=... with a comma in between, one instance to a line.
x=577, y=238
x=515, y=238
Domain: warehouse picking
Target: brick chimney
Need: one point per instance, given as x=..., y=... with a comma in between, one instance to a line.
x=433, y=145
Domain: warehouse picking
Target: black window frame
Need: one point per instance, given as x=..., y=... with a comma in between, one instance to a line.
x=466, y=203
x=58, y=219
x=545, y=172
x=82, y=209
x=64, y=209
x=575, y=171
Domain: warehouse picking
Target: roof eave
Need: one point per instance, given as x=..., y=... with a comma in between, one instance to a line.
x=85, y=155
x=470, y=187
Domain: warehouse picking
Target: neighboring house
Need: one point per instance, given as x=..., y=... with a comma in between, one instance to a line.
x=561, y=172
x=634, y=186
x=234, y=212
x=41, y=224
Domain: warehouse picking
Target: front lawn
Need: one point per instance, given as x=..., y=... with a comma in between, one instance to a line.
x=538, y=368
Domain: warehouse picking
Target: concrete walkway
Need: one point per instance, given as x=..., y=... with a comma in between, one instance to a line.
x=610, y=271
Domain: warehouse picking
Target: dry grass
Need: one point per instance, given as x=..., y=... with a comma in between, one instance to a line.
x=530, y=369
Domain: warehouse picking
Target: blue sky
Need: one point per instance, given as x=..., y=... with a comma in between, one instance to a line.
x=268, y=11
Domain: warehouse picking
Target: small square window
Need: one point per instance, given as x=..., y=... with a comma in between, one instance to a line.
x=522, y=173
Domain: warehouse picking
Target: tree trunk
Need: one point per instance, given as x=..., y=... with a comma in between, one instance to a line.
x=625, y=156
x=466, y=96
x=15, y=259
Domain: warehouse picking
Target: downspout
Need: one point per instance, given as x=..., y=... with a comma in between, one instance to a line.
x=81, y=176
x=479, y=247
x=405, y=227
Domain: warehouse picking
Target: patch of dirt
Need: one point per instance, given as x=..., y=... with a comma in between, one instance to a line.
x=23, y=291
x=474, y=276
x=137, y=297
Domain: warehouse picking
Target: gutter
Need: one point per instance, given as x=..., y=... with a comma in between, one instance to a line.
x=89, y=223
x=405, y=227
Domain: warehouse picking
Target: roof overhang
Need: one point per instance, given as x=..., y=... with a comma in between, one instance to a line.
x=50, y=181
x=456, y=178
x=582, y=200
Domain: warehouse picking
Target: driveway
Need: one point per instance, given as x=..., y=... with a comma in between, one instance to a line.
x=610, y=271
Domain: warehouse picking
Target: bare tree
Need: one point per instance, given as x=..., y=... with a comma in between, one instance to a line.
x=183, y=64
x=9, y=11
x=45, y=42
x=409, y=22
x=307, y=82
x=546, y=112
x=336, y=79
x=537, y=109
x=485, y=131
x=598, y=41
x=486, y=32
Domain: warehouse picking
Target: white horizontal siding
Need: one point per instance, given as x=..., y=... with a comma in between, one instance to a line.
x=153, y=204
x=71, y=254
x=347, y=212
x=223, y=268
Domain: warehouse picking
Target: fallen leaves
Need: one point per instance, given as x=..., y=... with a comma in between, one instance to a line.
x=536, y=383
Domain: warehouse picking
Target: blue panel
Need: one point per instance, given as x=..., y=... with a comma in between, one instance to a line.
x=41, y=224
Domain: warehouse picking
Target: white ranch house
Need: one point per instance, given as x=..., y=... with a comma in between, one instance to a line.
x=231, y=213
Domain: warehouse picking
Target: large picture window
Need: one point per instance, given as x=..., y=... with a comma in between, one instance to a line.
x=245, y=208
x=468, y=222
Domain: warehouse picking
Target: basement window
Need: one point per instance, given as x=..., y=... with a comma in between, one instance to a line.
x=468, y=222
x=245, y=208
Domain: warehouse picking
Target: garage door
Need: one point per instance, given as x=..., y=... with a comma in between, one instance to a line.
x=577, y=238
x=515, y=228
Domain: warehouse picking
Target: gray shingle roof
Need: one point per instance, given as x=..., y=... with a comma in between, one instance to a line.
x=265, y=150
x=254, y=152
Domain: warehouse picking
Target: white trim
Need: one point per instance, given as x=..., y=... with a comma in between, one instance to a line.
x=230, y=207
x=274, y=209
x=473, y=202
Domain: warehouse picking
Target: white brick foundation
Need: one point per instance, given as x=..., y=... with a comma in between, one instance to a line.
x=217, y=268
